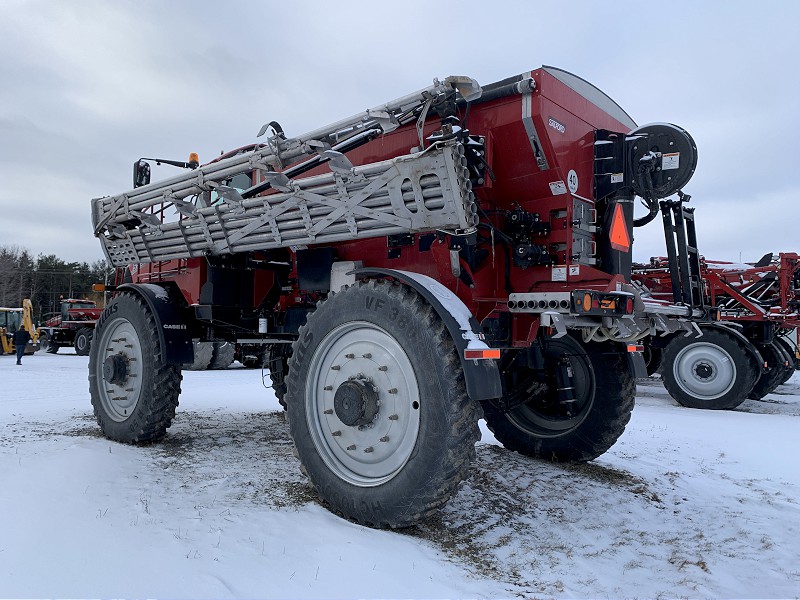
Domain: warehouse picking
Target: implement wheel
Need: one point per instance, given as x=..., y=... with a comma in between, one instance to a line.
x=531, y=418
x=793, y=362
x=771, y=377
x=134, y=393
x=378, y=407
x=714, y=371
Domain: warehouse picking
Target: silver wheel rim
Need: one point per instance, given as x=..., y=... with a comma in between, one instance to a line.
x=119, y=399
x=372, y=454
x=704, y=371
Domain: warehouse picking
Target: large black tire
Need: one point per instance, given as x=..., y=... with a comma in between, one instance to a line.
x=714, y=371
x=531, y=420
x=47, y=344
x=793, y=361
x=277, y=362
x=378, y=407
x=134, y=393
x=222, y=356
x=775, y=359
x=203, y=354
x=83, y=341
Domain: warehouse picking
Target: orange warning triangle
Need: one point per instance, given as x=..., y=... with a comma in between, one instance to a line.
x=620, y=239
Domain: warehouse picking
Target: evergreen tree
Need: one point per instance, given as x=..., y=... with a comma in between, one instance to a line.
x=47, y=280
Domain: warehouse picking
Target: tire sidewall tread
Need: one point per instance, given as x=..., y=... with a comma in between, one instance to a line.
x=222, y=356
x=203, y=355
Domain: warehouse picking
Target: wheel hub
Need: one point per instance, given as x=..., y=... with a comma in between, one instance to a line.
x=704, y=370
x=115, y=369
x=356, y=402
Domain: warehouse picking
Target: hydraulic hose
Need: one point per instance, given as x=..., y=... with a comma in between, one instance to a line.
x=653, y=206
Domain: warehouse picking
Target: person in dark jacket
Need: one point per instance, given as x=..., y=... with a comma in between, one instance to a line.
x=21, y=339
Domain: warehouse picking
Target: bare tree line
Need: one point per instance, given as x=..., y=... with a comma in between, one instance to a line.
x=46, y=279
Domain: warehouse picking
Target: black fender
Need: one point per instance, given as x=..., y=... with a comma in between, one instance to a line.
x=482, y=376
x=174, y=336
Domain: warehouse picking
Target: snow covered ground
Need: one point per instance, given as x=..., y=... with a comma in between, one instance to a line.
x=687, y=503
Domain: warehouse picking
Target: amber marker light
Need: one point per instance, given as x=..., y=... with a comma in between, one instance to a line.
x=587, y=302
x=482, y=354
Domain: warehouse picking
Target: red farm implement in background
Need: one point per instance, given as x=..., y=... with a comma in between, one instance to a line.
x=752, y=346
x=459, y=251
x=73, y=326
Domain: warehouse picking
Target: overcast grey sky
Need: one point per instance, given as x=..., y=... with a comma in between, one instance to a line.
x=88, y=87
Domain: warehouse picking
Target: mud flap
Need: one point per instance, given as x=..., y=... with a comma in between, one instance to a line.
x=637, y=365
